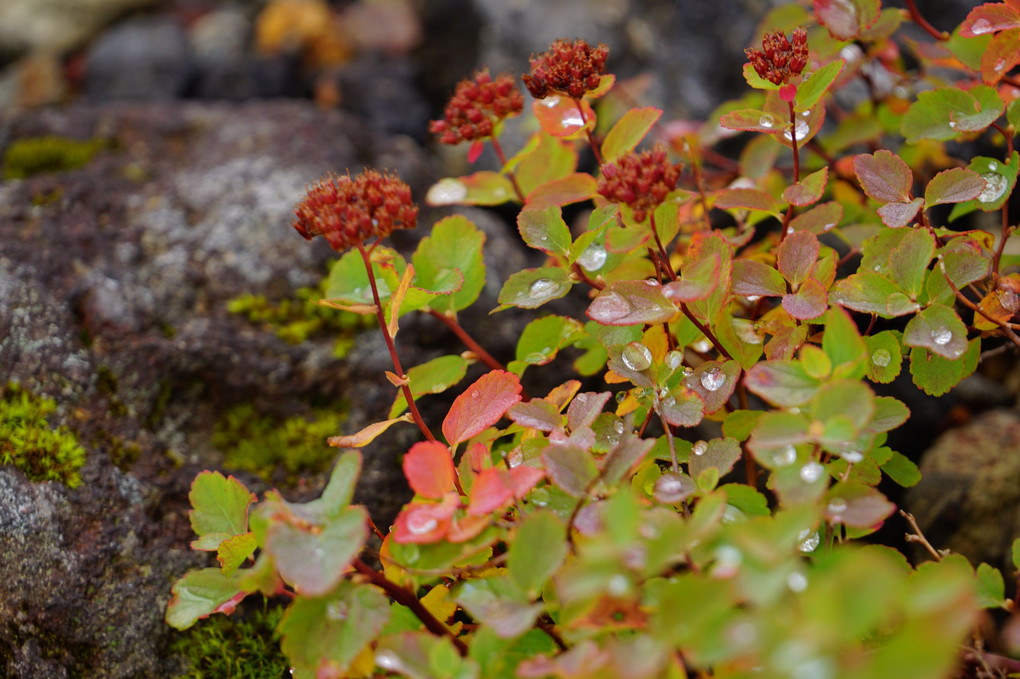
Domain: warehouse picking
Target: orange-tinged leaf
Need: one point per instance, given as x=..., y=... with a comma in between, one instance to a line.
x=561, y=395
x=570, y=189
x=491, y=490
x=560, y=117
x=429, y=469
x=1001, y=56
x=366, y=435
x=481, y=405
x=422, y=523
x=398, y=298
x=990, y=17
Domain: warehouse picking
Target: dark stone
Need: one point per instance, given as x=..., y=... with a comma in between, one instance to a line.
x=141, y=58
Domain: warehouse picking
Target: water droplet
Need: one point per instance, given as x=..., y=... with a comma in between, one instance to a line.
x=766, y=121
x=669, y=401
x=727, y=561
x=702, y=346
x=852, y=456
x=699, y=448
x=618, y=585
x=674, y=359
x=593, y=257
x=811, y=472
x=419, y=523
x=784, y=457
x=809, y=540
x=794, y=409
x=995, y=187
x=671, y=488
x=981, y=26
x=802, y=131
x=952, y=124
x=447, y=191
x=796, y=581
x=941, y=336
x=388, y=660
x=877, y=267
x=992, y=166
x=540, y=497
x=618, y=426
x=713, y=379
x=1008, y=300
x=881, y=357
x=541, y=287
x=837, y=506
x=636, y=356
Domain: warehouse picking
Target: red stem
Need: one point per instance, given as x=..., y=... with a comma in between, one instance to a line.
x=502, y=162
x=393, y=350
x=407, y=598
x=591, y=137
x=915, y=15
x=662, y=250
x=468, y=341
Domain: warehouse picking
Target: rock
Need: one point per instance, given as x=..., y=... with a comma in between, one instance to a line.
x=56, y=26
x=968, y=500
x=141, y=58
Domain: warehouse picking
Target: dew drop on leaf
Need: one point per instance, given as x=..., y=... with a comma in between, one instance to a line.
x=674, y=359
x=766, y=121
x=952, y=124
x=618, y=426
x=669, y=402
x=881, y=357
x=636, y=356
x=618, y=585
x=593, y=258
x=699, y=448
x=981, y=26
x=784, y=457
x=941, y=336
x=992, y=167
x=388, y=660
x=702, y=346
x=802, y=131
x=837, y=506
x=337, y=610
x=811, y=472
x=671, y=488
x=809, y=540
x=541, y=287
x=446, y=192
x=995, y=186
x=419, y=523
x=796, y=581
x=852, y=456
x=712, y=379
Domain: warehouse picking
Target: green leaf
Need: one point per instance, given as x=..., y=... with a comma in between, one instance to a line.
x=718, y=454
x=816, y=362
x=739, y=424
x=220, y=509
x=431, y=377
x=498, y=603
x=846, y=19
x=738, y=338
x=1015, y=549
x=890, y=413
x=1000, y=179
x=481, y=405
x=571, y=468
x=817, y=84
x=884, y=356
x=570, y=189
x=750, y=119
x=199, y=594
x=232, y=552
x=531, y=288
x=775, y=436
x=543, y=159
x=751, y=277
x=944, y=113
x=544, y=230
x=314, y=562
x=781, y=383
x=955, y=185
x=348, y=281
x=843, y=343
x=808, y=190
x=851, y=399
x=537, y=550
x=480, y=188
x=939, y=329
x=965, y=261
x=542, y=338
x=589, y=250
x=991, y=590
x=630, y=302
x=908, y=261
x=884, y=176
x=330, y=632
x=872, y=293
x=698, y=280
x=755, y=80
x=936, y=375
x=454, y=245
x=902, y=470
x=628, y=132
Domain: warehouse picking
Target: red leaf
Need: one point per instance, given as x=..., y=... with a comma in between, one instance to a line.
x=476, y=150
x=1001, y=56
x=428, y=467
x=492, y=490
x=524, y=479
x=481, y=405
x=884, y=176
x=989, y=18
x=422, y=523
x=560, y=117
x=570, y=189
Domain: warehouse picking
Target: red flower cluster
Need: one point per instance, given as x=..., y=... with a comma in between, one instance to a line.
x=476, y=106
x=780, y=59
x=348, y=211
x=571, y=68
x=641, y=181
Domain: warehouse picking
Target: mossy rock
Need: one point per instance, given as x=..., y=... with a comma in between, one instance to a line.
x=34, y=155
x=234, y=646
x=29, y=443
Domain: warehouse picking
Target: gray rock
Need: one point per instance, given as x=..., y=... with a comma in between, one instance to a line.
x=56, y=26
x=141, y=58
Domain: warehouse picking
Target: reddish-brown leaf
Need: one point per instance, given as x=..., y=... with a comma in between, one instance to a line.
x=884, y=176
x=429, y=469
x=990, y=17
x=481, y=405
x=1000, y=56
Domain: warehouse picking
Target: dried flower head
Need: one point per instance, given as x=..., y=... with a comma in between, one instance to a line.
x=348, y=211
x=639, y=180
x=570, y=68
x=780, y=59
x=476, y=106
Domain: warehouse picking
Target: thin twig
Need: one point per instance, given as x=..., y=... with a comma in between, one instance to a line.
x=915, y=15
x=918, y=536
x=477, y=349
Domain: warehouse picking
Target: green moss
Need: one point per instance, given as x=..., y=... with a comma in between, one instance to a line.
x=29, y=443
x=34, y=155
x=263, y=443
x=295, y=320
x=240, y=648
